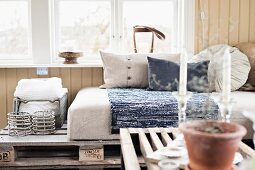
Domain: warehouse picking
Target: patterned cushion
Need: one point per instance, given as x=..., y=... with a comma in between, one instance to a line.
x=164, y=75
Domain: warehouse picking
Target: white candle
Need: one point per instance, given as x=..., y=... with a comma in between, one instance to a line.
x=183, y=74
x=226, y=76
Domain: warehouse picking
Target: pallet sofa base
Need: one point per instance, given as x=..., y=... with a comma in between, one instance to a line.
x=57, y=152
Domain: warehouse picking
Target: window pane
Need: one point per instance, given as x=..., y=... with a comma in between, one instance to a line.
x=14, y=30
x=161, y=15
x=83, y=26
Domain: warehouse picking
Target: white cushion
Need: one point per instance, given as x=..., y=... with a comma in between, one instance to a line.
x=240, y=67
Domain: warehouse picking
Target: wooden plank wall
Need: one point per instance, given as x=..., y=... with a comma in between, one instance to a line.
x=226, y=21
x=72, y=78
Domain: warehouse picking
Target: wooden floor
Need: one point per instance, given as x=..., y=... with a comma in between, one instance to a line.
x=55, y=152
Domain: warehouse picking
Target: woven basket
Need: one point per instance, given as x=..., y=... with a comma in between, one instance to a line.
x=43, y=122
x=19, y=124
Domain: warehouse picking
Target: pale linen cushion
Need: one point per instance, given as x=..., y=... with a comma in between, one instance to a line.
x=248, y=48
x=240, y=66
x=129, y=70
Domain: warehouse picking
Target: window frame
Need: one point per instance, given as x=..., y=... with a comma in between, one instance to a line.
x=27, y=58
x=187, y=26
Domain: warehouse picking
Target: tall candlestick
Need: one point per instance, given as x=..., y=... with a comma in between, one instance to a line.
x=226, y=80
x=226, y=103
x=183, y=74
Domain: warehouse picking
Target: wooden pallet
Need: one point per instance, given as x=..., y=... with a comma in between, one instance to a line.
x=136, y=142
x=57, y=152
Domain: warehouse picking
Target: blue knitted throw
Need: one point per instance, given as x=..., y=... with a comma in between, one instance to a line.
x=139, y=108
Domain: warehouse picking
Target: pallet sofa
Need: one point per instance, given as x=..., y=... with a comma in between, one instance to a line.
x=86, y=141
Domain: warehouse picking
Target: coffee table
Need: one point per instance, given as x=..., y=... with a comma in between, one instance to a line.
x=138, y=143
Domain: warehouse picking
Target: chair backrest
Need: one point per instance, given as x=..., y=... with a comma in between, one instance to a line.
x=139, y=28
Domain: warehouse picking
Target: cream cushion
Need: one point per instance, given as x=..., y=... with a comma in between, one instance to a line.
x=129, y=70
x=249, y=50
x=240, y=66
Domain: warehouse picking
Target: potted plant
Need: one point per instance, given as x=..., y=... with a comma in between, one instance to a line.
x=211, y=144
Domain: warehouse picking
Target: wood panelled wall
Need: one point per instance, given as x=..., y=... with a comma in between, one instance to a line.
x=72, y=78
x=226, y=21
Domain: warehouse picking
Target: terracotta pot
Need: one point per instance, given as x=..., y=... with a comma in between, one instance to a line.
x=209, y=151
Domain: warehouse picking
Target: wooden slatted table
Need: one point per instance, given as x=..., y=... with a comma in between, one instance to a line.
x=137, y=143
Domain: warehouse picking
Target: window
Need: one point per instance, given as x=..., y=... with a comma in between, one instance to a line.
x=91, y=25
x=83, y=25
x=160, y=14
x=37, y=30
x=15, y=30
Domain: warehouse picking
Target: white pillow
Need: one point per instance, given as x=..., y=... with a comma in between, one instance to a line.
x=240, y=67
x=129, y=70
x=39, y=89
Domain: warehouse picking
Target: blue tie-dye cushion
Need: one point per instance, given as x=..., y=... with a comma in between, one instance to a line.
x=164, y=75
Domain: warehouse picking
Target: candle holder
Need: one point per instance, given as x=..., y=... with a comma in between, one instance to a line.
x=182, y=105
x=225, y=109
